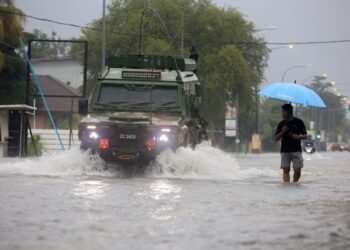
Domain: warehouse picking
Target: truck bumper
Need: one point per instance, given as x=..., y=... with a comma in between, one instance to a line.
x=117, y=155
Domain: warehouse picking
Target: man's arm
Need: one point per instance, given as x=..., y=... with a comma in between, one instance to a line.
x=280, y=132
x=299, y=137
x=303, y=133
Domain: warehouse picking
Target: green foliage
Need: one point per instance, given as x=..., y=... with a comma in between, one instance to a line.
x=47, y=49
x=10, y=25
x=12, y=82
x=229, y=80
x=38, y=146
x=270, y=116
x=12, y=67
x=332, y=119
x=232, y=58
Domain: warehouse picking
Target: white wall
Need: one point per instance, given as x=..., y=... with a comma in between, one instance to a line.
x=49, y=139
x=63, y=70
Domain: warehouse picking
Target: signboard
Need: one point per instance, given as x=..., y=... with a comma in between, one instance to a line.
x=141, y=75
x=230, y=133
x=230, y=124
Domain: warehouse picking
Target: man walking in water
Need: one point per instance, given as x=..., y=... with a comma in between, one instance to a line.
x=291, y=130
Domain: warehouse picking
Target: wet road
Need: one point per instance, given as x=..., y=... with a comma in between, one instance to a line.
x=204, y=199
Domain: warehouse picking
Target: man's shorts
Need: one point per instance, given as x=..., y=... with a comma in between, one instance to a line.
x=294, y=157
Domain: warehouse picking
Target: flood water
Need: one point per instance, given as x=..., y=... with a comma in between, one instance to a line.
x=203, y=199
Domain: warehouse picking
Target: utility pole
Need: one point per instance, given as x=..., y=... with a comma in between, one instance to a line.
x=182, y=33
x=257, y=100
x=103, y=36
x=182, y=26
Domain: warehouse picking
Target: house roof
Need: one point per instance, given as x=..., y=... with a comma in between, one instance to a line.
x=53, y=86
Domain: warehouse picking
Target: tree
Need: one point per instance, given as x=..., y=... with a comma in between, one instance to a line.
x=270, y=117
x=51, y=50
x=221, y=85
x=10, y=29
x=332, y=119
x=12, y=66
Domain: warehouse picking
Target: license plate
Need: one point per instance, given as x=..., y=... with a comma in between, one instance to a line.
x=127, y=136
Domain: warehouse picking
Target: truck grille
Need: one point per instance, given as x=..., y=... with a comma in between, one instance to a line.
x=127, y=136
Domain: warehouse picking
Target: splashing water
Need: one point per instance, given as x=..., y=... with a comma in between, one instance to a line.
x=68, y=163
x=205, y=162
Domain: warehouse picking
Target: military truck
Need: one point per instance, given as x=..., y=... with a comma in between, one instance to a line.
x=142, y=105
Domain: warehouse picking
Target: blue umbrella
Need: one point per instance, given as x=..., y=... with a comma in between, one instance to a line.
x=293, y=92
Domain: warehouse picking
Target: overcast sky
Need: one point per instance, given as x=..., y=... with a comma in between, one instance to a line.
x=294, y=21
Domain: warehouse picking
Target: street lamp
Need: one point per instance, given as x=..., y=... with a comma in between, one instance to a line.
x=289, y=46
x=294, y=67
x=103, y=35
x=257, y=102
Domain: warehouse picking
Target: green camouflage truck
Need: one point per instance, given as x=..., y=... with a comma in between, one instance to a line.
x=142, y=105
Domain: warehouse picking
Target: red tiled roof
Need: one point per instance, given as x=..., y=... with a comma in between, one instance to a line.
x=53, y=86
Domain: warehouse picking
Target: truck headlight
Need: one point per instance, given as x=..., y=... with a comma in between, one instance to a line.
x=94, y=135
x=163, y=138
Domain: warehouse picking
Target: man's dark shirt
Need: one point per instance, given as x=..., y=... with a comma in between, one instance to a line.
x=288, y=144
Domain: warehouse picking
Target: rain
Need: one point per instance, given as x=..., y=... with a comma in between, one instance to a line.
x=186, y=124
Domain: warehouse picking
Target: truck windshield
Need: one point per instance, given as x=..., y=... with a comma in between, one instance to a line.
x=155, y=96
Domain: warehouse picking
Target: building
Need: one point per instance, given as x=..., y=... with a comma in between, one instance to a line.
x=61, y=107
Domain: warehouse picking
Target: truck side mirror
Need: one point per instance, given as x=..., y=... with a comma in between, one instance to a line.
x=83, y=106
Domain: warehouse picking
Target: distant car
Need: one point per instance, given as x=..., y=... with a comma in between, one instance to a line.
x=340, y=146
x=309, y=146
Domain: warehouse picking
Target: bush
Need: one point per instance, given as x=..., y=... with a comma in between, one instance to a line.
x=38, y=146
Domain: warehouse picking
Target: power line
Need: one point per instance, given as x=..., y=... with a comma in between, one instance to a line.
x=63, y=23
x=8, y=45
x=133, y=34
x=311, y=42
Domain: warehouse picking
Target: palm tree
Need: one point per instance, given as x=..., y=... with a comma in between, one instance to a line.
x=12, y=66
x=10, y=29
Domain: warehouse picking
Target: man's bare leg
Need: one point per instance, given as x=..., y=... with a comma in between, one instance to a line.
x=297, y=174
x=286, y=177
